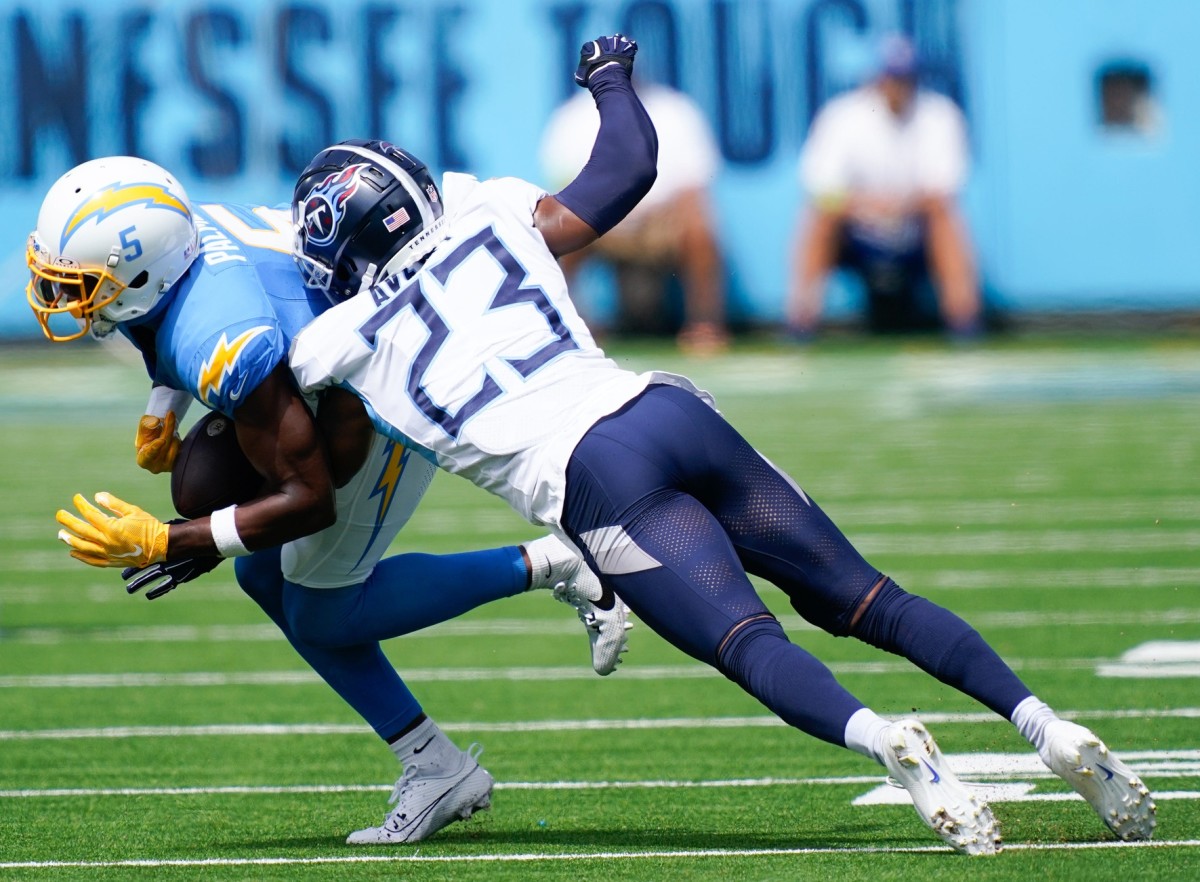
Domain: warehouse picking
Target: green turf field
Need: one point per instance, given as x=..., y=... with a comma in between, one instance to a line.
x=1048, y=492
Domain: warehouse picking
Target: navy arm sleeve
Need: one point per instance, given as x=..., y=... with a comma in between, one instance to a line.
x=624, y=160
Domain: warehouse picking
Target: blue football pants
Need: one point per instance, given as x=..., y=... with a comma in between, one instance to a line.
x=337, y=630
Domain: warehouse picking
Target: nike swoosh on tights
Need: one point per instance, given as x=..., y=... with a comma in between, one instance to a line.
x=423, y=746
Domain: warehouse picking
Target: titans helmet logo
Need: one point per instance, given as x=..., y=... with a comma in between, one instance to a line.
x=325, y=205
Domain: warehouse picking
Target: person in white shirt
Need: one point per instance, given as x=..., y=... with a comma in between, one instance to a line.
x=671, y=231
x=881, y=169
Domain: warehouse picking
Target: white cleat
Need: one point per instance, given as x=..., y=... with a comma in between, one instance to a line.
x=606, y=628
x=944, y=803
x=1112, y=789
x=427, y=800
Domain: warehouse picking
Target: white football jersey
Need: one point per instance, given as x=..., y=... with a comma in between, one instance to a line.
x=481, y=358
x=371, y=510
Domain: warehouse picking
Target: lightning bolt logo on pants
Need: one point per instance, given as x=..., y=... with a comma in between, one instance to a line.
x=395, y=457
x=220, y=364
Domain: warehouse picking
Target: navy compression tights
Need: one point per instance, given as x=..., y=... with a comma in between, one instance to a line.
x=674, y=508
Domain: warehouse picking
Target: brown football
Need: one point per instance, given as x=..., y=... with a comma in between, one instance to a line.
x=211, y=471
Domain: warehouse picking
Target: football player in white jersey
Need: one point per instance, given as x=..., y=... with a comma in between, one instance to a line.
x=463, y=343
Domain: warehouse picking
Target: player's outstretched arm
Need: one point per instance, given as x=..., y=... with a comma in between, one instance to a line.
x=623, y=164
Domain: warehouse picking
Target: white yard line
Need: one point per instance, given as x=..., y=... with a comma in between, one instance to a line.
x=992, y=791
x=719, y=853
x=259, y=633
x=978, y=578
x=455, y=675
x=265, y=729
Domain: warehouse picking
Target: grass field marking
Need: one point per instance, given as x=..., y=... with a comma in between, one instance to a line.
x=1156, y=658
x=573, y=856
x=284, y=789
x=925, y=543
x=954, y=543
x=1015, y=791
x=536, y=674
x=261, y=633
x=883, y=794
x=272, y=678
x=980, y=578
x=1119, y=578
x=257, y=729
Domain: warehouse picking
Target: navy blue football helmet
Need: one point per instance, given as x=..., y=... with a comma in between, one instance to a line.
x=363, y=210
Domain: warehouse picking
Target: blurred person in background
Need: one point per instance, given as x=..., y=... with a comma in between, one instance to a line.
x=670, y=234
x=881, y=169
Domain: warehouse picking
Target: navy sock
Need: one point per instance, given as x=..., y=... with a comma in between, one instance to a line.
x=940, y=643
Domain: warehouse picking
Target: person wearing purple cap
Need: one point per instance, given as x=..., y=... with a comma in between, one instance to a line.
x=881, y=169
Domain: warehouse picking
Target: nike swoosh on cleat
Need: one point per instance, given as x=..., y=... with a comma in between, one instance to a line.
x=607, y=599
x=1108, y=773
x=936, y=777
x=423, y=746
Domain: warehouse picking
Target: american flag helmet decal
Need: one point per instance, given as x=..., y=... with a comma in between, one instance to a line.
x=396, y=220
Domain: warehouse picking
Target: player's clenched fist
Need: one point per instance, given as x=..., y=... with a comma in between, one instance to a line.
x=132, y=538
x=605, y=52
x=157, y=443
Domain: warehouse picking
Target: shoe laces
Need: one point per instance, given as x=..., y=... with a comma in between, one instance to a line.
x=569, y=593
x=410, y=772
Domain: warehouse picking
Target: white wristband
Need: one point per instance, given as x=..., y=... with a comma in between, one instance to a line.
x=164, y=399
x=225, y=534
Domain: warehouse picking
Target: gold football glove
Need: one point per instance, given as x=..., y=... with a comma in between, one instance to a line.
x=157, y=443
x=131, y=539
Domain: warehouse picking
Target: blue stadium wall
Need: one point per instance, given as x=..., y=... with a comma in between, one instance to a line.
x=235, y=97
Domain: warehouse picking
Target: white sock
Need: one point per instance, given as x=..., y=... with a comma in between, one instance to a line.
x=1031, y=717
x=424, y=745
x=864, y=734
x=548, y=557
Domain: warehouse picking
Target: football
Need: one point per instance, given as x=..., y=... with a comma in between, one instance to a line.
x=211, y=471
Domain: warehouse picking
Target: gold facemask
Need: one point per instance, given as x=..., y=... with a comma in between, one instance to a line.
x=77, y=291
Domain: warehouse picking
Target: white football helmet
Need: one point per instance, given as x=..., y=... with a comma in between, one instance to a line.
x=113, y=235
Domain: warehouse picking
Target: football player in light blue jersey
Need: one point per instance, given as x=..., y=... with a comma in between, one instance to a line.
x=211, y=297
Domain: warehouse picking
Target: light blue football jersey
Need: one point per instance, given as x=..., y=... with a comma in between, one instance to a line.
x=231, y=318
